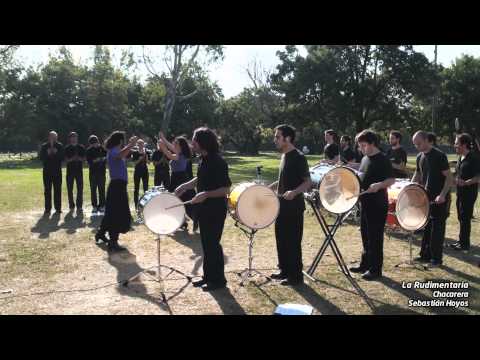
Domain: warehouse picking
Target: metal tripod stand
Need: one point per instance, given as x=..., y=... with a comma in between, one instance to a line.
x=250, y=271
x=158, y=278
x=410, y=263
x=330, y=231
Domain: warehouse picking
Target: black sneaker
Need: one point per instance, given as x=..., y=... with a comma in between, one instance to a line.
x=358, y=269
x=199, y=283
x=435, y=264
x=459, y=247
x=421, y=260
x=278, y=276
x=214, y=286
x=371, y=276
x=101, y=239
x=292, y=282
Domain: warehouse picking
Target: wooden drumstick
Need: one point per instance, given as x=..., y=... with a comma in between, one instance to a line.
x=178, y=205
x=354, y=196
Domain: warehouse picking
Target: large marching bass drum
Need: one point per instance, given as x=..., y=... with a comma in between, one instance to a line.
x=337, y=187
x=409, y=205
x=162, y=212
x=253, y=205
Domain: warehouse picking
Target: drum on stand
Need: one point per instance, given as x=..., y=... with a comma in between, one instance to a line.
x=337, y=187
x=254, y=205
x=408, y=206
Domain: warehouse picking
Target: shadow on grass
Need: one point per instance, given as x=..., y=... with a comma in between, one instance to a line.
x=71, y=223
x=227, y=302
x=126, y=265
x=193, y=242
x=46, y=225
x=322, y=305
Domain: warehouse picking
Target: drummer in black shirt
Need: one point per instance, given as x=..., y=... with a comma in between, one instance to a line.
x=162, y=169
x=51, y=155
x=213, y=186
x=140, y=156
x=331, y=150
x=397, y=155
x=376, y=176
x=293, y=181
x=433, y=172
x=74, y=156
x=467, y=179
x=97, y=158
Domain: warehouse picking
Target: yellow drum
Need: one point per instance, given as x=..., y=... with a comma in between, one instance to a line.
x=253, y=205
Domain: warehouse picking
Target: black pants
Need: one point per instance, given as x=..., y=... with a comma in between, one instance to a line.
x=55, y=181
x=137, y=176
x=162, y=178
x=117, y=219
x=288, y=235
x=97, y=182
x=212, y=221
x=77, y=177
x=372, y=226
x=434, y=232
x=465, y=206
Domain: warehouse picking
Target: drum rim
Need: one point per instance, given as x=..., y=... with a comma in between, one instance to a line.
x=162, y=193
x=357, y=199
x=418, y=186
x=238, y=201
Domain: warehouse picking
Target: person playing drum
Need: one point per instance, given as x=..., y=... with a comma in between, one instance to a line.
x=332, y=149
x=376, y=176
x=213, y=185
x=293, y=181
x=433, y=172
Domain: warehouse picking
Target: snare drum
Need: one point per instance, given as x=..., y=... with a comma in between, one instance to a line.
x=336, y=186
x=408, y=206
x=152, y=209
x=253, y=205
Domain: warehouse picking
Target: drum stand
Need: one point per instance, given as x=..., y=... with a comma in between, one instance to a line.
x=158, y=278
x=410, y=263
x=249, y=272
x=330, y=231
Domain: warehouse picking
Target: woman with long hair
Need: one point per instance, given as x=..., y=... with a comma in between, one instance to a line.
x=180, y=157
x=117, y=219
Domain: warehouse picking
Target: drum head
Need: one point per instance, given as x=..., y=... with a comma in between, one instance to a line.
x=161, y=221
x=412, y=208
x=336, y=187
x=257, y=207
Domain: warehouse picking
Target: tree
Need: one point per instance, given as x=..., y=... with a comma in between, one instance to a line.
x=179, y=60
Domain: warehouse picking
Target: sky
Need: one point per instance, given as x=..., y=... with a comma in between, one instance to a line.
x=230, y=74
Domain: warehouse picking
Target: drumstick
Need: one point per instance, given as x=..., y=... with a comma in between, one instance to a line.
x=354, y=196
x=178, y=205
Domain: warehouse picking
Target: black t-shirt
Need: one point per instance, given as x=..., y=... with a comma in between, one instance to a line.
x=374, y=169
x=348, y=155
x=397, y=156
x=71, y=151
x=163, y=166
x=331, y=150
x=466, y=169
x=97, y=158
x=142, y=165
x=430, y=167
x=212, y=174
x=52, y=163
x=292, y=173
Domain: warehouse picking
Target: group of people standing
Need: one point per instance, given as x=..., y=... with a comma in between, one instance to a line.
x=378, y=170
x=208, y=190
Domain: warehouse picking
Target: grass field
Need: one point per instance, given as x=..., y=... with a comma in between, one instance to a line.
x=52, y=266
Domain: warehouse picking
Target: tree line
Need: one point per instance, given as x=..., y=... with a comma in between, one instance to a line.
x=344, y=87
